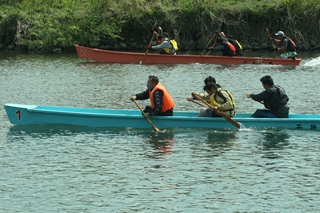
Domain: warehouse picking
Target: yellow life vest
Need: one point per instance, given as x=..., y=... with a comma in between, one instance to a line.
x=212, y=101
x=174, y=45
x=224, y=98
x=240, y=46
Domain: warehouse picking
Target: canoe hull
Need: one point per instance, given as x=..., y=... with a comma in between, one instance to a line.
x=19, y=114
x=137, y=58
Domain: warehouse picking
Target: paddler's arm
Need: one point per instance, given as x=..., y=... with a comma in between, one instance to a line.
x=141, y=96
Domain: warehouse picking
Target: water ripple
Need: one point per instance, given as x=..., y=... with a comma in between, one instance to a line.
x=77, y=169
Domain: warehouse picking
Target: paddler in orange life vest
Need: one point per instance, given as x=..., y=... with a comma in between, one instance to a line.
x=161, y=102
x=235, y=43
x=286, y=45
x=223, y=45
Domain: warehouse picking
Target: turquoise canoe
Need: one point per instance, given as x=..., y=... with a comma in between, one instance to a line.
x=20, y=114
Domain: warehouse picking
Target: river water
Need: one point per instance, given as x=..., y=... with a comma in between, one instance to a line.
x=76, y=169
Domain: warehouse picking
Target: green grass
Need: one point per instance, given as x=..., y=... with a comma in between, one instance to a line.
x=45, y=24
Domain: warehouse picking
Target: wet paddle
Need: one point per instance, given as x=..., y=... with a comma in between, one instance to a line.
x=208, y=44
x=233, y=122
x=144, y=58
x=154, y=126
x=270, y=38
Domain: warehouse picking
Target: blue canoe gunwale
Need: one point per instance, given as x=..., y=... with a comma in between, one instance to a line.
x=20, y=114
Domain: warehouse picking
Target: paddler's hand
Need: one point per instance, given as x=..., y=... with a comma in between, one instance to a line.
x=146, y=114
x=194, y=95
x=133, y=98
x=248, y=95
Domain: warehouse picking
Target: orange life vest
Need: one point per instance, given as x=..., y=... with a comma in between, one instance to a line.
x=167, y=102
x=232, y=48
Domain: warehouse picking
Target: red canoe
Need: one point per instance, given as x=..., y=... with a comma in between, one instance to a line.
x=109, y=56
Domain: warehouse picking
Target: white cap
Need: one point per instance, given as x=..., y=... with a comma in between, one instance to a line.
x=280, y=33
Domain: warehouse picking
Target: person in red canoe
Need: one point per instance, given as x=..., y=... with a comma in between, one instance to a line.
x=167, y=46
x=223, y=45
x=286, y=45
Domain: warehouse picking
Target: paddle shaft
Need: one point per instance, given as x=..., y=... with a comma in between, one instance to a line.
x=270, y=38
x=145, y=55
x=223, y=36
x=152, y=124
x=208, y=43
x=199, y=103
x=233, y=122
x=214, y=44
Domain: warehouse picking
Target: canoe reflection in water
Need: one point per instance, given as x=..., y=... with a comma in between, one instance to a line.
x=272, y=142
x=218, y=142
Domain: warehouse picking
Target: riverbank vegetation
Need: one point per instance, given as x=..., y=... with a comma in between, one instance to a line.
x=48, y=24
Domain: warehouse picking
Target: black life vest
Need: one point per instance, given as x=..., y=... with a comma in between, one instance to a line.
x=291, y=45
x=277, y=100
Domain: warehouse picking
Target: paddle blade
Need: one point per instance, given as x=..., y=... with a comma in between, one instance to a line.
x=152, y=124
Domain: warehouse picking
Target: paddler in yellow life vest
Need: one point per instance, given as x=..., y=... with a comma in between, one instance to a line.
x=206, y=96
x=221, y=100
x=166, y=46
x=161, y=102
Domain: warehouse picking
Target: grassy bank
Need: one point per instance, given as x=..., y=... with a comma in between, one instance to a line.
x=47, y=24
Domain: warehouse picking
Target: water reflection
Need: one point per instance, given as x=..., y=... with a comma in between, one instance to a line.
x=272, y=142
x=162, y=143
x=48, y=129
x=220, y=141
x=210, y=144
x=24, y=133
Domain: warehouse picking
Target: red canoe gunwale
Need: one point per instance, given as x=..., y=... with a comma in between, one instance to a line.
x=109, y=56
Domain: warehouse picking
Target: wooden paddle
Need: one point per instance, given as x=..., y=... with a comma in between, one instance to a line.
x=154, y=126
x=144, y=58
x=233, y=122
x=214, y=44
x=199, y=103
x=270, y=38
x=222, y=36
x=208, y=43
